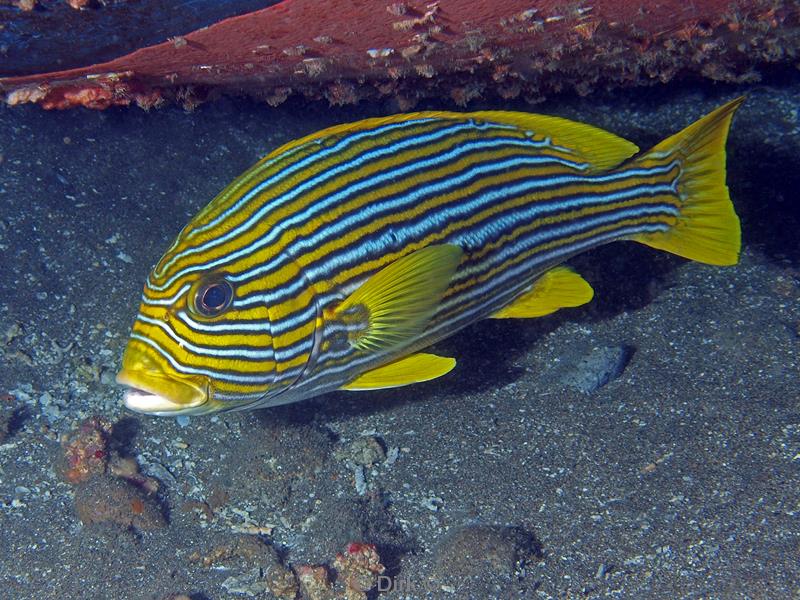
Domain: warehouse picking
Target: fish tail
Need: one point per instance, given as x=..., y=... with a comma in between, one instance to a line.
x=708, y=228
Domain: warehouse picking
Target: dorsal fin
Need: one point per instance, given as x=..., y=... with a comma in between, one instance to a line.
x=601, y=149
x=596, y=146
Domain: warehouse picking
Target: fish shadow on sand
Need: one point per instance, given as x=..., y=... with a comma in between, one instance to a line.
x=625, y=277
x=123, y=436
x=291, y=415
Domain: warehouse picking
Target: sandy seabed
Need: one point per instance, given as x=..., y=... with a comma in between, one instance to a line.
x=679, y=478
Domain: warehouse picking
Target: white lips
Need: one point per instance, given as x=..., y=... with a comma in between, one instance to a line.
x=145, y=402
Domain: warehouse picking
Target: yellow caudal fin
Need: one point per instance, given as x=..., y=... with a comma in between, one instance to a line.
x=405, y=371
x=560, y=287
x=707, y=229
x=393, y=306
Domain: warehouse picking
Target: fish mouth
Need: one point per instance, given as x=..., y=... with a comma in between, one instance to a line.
x=153, y=392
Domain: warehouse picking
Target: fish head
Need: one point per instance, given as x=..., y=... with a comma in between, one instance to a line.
x=198, y=345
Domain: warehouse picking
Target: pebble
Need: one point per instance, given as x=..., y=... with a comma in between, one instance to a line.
x=482, y=561
x=23, y=392
x=247, y=584
x=599, y=367
x=105, y=499
x=433, y=503
x=601, y=571
x=107, y=377
x=363, y=451
x=635, y=561
x=51, y=411
x=361, y=481
x=159, y=471
x=392, y=455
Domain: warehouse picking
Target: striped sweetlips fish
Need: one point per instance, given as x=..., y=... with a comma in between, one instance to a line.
x=336, y=259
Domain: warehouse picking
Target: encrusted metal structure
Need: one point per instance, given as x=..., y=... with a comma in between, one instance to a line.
x=348, y=50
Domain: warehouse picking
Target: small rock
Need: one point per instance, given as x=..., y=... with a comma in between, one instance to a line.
x=601, y=571
x=433, y=503
x=52, y=412
x=636, y=561
x=107, y=499
x=392, y=455
x=597, y=368
x=85, y=450
x=26, y=5
x=160, y=472
x=482, y=559
x=358, y=569
x=363, y=451
x=127, y=468
x=247, y=584
x=282, y=583
x=262, y=568
x=314, y=582
x=11, y=332
x=107, y=377
x=360, y=480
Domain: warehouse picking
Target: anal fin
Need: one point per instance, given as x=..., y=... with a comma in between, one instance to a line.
x=560, y=287
x=414, y=368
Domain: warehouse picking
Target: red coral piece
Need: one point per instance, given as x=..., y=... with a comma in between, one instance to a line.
x=314, y=582
x=85, y=450
x=359, y=566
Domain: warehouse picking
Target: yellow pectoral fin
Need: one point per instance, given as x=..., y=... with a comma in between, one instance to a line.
x=396, y=303
x=557, y=288
x=405, y=371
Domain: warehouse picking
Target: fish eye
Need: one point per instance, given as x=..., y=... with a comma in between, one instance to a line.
x=212, y=297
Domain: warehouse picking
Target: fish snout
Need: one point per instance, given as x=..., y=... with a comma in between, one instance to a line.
x=152, y=390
